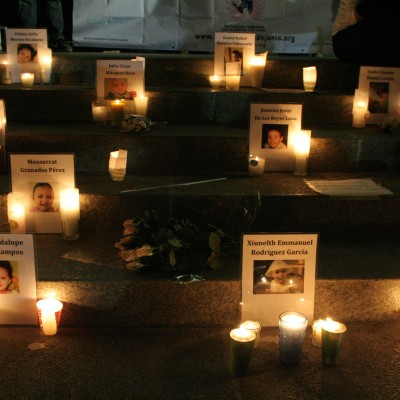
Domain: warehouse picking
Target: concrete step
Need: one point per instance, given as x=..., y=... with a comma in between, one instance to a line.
x=200, y=148
x=191, y=70
x=176, y=105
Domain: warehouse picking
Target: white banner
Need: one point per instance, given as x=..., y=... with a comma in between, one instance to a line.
x=291, y=26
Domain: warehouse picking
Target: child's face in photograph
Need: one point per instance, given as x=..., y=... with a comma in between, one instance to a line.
x=280, y=276
x=4, y=279
x=274, y=138
x=43, y=198
x=120, y=86
x=24, y=56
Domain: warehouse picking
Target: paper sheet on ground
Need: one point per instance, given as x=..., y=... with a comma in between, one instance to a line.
x=348, y=187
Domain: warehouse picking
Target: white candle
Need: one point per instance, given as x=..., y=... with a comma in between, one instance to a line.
x=70, y=213
x=302, y=142
x=6, y=79
x=27, y=79
x=257, y=68
x=253, y=326
x=242, y=335
x=232, y=82
x=256, y=165
x=49, y=311
x=317, y=333
x=215, y=81
x=333, y=326
x=45, y=60
x=117, y=164
x=360, y=108
x=141, y=105
x=16, y=212
x=309, y=78
x=100, y=111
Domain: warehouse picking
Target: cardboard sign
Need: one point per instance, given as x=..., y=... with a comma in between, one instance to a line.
x=278, y=275
x=23, y=48
x=120, y=79
x=18, y=288
x=272, y=129
x=40, y=177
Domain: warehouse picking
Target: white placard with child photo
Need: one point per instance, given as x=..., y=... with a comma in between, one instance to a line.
x=278, y=275
x=382, y=84
x=120, y=79
x=234, y=48
x=17, y=280
x=40, y=177
x=23, y=48
x=272, y=130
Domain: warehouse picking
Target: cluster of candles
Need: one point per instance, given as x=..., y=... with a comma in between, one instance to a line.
x=257, y=69
x=327, y=334
x=69, y=212
x=115, y=110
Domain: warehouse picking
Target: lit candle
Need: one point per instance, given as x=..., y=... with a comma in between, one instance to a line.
x=309, y=78
x=332, y=333
x=215, y=81
x=360, y=108
x=256, y=165
x=70, y=213
x=117, y=112
x=141, y=105
x=253, y=326
x=27, y=79
x=232, y=75
x=257, y=68
x=117, y=164
x=317, y=333
x=232, y=82
x=292, y=326
x=242, y=344
x=6, y=79
x=302, y=142
x=49, y=312
x=100, y=111
x=16, y=212
x=45, y=60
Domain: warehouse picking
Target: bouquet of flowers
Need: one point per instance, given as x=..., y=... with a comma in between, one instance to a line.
x=170, y=243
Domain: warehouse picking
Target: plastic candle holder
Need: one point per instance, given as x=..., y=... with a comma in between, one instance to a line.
x=257, y=68
x=49, y=314
x=117, y=164
x=242, y=343
x=117, y=112
x=302, y=144
x=70, y=213
x=27, y=79
x=253, y=326
x=292, y=327
x=256, y=165
x=309, y=78
x=332, y=337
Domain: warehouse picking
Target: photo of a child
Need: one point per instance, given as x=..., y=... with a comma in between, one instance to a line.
x=117, y=88
x=278, y=277
x=26, y=53
x=43, y=198
x=9, y=283
x=274, y=136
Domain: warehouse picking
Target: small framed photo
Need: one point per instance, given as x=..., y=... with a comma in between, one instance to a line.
x=383, y=87
x=40, y=177
x=17, y=280
x=278, y=275
x=272, y=129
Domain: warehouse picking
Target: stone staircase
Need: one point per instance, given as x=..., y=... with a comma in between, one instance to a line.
x=207, y=138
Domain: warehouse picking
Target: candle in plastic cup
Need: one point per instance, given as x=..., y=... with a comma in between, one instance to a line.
x=27, y=79
x=332, y=336
x=70, y=213
x=292, y=327
x=117, y=164
x=49, y=313
x=242, y=344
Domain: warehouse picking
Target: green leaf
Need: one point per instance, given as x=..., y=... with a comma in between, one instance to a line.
x=172, y=258
x=215, y=261
x=214, y=241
